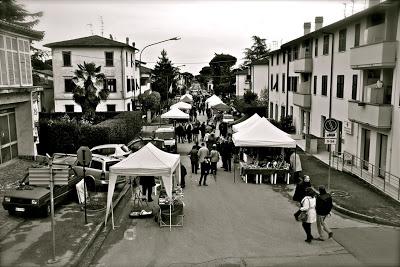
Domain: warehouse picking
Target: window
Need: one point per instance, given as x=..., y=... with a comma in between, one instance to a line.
x=271, y=110
x=326, y=45
x=289, y=81
x=295, y=52
x=277, y=82
x=294, y=84
x=342, y=40
x=283, y=82
x=131, y=60
x=276, y=112
x=283, y=58
x=324, y=85
x=289, y=55
x=354, y=87
x=126, y=59
x=291, y=111
x=69, y=85
x=69, y=108
x=316, y=48
x=315, y=85
x=96, y=165
x=143, y=81
x=111, y=85
x=110, y=107
x=109, y=59
x=8, y=137
x=340, y=86
x=128, y=106
x=357, y=35
x=277, y=59
x=272, y=60
x=375, y=19
x=272, y=82
x=66, y=58
x=283, y=110
x=128, y=84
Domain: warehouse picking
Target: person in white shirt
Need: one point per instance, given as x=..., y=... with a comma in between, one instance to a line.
x=308, y=204
x=295, y=164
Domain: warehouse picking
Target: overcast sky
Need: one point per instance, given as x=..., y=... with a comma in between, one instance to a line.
x=205, y=27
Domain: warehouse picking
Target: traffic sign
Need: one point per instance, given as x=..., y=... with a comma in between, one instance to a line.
x=330, y=125
x=330, y=141
x=84, y=155
x=331, y=135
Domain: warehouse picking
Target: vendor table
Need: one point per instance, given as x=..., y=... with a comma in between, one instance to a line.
x=246, y=169
x=170, y=214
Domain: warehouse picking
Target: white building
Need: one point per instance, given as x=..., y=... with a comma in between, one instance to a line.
x=145, y=78
x=242, y=82
x=355, y=81
x=19, y=99
x=117, y=61
x=259, y=76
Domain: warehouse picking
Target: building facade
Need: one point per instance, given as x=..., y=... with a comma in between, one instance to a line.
x=242, y=82
x=259, y=76
x=117, y=61
x=19, y=99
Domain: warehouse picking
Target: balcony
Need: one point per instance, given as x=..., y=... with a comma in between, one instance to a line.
x=302, y=100
x=303, y=65
x=375, y=115
x=377, y=55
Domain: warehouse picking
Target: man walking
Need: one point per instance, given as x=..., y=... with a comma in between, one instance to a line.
x=323, y=208
x=214, y=157
x=204, y=164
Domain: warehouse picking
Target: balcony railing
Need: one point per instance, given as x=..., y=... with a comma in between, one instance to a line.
x=302, y=100
x=382, y=54
x=375, y=115
x=303, y=65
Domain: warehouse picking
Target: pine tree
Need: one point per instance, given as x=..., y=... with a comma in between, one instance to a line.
x=13, y=12
x=164, y=76
x=256, y=52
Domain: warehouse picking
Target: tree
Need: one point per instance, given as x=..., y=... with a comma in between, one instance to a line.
x=223, y=78
x=204, y=76
x=89, y=88
x=40, y=60
x=15, y=13
x=249, y=97
x=164, y=76
x=256, y=52
x=150, y=100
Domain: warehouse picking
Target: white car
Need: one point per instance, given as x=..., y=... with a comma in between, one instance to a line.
x=112, y=150
x=227, y=118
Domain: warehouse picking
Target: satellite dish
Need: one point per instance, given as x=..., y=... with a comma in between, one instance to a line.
x=379, y=84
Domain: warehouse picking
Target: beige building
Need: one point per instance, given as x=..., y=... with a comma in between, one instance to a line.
x=117, y=61
x=19, y=99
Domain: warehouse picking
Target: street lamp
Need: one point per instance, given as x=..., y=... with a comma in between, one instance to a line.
x=140, y=55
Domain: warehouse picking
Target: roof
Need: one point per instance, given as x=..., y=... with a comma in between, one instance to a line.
x=46, y=72
x=12, y=27
x=89, y=41
x=145, y=70
x=242, y=72
x=260, y=62
x=327, y=29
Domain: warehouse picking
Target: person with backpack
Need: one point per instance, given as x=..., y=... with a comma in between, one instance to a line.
x=323, y=208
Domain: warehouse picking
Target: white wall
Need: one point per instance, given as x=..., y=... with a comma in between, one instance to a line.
x=259, y=78
x=241, y=86
x=277, y=97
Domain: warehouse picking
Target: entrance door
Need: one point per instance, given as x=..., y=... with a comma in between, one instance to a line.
x=339, y=137
x=382, y=154
x=366, y=136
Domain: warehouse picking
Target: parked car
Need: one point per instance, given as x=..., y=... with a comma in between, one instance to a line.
x=168, y=135
x=137, y=144
x=97, y=173
x=112, y=150
x=35, y=199
x=227, y=118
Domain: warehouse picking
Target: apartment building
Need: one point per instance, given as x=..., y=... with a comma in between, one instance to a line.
x=259, y=79
x=117, y=61
x=242, y=82
x=145, y=78
x=19, y=99
x=348, y=71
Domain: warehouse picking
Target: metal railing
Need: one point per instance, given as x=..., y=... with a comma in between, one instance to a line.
x=379, y=178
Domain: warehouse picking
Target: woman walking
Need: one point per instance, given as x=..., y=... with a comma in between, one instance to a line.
x=308, y=205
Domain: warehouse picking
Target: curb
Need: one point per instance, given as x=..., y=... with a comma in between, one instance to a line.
x=95, y=232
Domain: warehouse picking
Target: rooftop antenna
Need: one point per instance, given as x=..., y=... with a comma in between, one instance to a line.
x=352, y=7
x=345, y=5
x=101, y=25
x=91, y=27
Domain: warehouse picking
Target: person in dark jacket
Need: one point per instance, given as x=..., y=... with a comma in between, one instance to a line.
x=205, y=169
x=323, y=207
x=301, y=187
x=203, y=130
x=147, y=183
x=183, y=174
x=194, y=159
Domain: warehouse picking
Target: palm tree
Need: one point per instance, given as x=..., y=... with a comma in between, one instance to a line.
x=89, y=89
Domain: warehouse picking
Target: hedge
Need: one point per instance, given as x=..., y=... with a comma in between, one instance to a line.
x=67, y=135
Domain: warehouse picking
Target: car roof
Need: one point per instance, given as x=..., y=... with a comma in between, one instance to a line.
x=106, y=146
x=145, y=139
x=104, y=158
x=165, y=129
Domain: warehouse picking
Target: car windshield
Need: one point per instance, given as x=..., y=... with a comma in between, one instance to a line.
x=165, y=135
x=110, y=163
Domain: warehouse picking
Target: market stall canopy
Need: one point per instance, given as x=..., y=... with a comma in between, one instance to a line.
x=187, y=98
x=175, y=113
x=148, y=161
x=213, y=100
x=181, y=105
x=247, y=123
x=221, y=107
x=262, y=133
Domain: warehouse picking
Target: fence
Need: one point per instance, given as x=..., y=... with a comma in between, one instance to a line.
x=377, y=177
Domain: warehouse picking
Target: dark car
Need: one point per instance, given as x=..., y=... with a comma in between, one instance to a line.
x=137, y=144
x=35, y=199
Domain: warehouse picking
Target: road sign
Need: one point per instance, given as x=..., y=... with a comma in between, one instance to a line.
x=84, y=155
x=330, y=125
x=332, y=135
x=330, y=141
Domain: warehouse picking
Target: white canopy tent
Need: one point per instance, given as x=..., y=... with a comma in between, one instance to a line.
x=262, y=133
x=245, y=124
x=181, y=105
x=187, y=98
x=213, y=100
x=148, y=161
x=175, y=113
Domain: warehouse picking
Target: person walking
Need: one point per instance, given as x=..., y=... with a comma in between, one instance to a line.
x=203, y=130
x=195, y=132
x=194, y=159
x=183, y=174
x=204, y=165
x=308, y=204
x=214, y=158
x=323, y=208
x=301, y=187
x=188, y=131
x=205, y=169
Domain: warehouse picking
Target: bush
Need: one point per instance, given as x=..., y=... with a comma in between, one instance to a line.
x=249, y=97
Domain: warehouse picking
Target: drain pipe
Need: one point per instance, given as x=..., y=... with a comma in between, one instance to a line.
x=331, y=79
x=287, y=85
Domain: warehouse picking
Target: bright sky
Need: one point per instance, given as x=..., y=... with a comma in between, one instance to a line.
x=205, y=26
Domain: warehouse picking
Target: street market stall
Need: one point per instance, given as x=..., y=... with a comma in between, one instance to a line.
x=262, y=134
x=148, y=161
x=245, y=124
x=181, y=105
x=212, y=101
x=176, y=114
x=221, y=107
x=187, y=98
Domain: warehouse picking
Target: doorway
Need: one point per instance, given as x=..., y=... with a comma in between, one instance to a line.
x=382, y=141
x=366, y=140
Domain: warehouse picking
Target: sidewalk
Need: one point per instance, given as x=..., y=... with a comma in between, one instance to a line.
x=351, y=195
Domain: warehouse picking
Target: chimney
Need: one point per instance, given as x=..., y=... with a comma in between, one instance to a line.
x=307, y=27
x=319, y=22
x=127, y=40
x=133, y=44
x=373, y=2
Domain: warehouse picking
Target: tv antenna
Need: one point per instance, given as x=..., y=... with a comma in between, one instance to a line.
x=344, y=12
x=101, y=25
x=91, y=27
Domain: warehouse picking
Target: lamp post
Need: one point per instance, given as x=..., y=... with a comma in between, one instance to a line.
x=140, y=55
